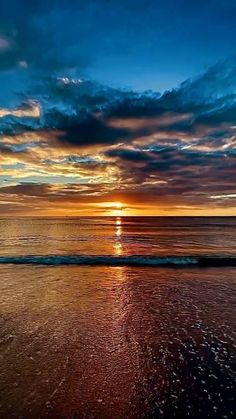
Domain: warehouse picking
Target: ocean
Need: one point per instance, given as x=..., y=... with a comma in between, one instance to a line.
x=117, y=317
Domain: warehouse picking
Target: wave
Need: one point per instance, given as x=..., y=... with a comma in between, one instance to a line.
x=154, y=261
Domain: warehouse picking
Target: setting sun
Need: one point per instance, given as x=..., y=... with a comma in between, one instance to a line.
x=118, y=205
x=114, y=209
x=117, y=209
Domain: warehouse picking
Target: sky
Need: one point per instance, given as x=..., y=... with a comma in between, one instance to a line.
x=117, y=107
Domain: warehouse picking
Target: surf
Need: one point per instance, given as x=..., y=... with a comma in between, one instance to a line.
x=110, y=260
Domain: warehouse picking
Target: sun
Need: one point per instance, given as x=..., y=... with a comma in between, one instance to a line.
x=113, y=208
x=117, y=209
x=118, y=205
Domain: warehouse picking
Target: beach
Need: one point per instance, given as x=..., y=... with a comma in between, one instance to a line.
x=106, y=341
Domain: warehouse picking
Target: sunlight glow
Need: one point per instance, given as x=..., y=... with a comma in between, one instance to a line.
x=114, y=209
x=118, y=245
x=118, y=205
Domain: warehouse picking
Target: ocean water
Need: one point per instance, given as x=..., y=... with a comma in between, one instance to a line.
x=117, y=317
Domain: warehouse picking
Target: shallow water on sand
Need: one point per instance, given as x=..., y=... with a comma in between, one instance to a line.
x=116, y=342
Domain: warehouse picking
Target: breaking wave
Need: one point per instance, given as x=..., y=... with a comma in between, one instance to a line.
x=178, y=261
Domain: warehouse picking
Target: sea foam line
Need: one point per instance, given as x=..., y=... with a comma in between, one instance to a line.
x=154, y=261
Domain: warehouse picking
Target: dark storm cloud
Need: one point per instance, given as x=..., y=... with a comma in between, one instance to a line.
x=172, y=161
x=215, y=89
x=89, y=131
x=76, y=93
x=137, y=106
x=183, y=175
x=210, y=99
x=73, y=104
x=78, y=123
x=129, y=155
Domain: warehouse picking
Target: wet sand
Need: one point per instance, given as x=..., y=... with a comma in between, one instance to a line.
x=117, y=342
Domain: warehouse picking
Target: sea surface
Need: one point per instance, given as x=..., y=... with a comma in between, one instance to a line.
x=117, y=317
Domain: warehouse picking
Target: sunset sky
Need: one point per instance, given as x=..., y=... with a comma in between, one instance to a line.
x=117, y=107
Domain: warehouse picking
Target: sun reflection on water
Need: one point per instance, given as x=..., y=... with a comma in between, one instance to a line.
x=118, y=249
x=118, y=244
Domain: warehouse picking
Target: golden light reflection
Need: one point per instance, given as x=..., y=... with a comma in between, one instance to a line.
x=118, y=249
x=118, y=226
x=120, y=275
x=118, y=244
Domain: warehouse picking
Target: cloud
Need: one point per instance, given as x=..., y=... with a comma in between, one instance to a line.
x=4, y=43
x=83, y=130
x=28, y=38
x=75, y=141
x=29, y=109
